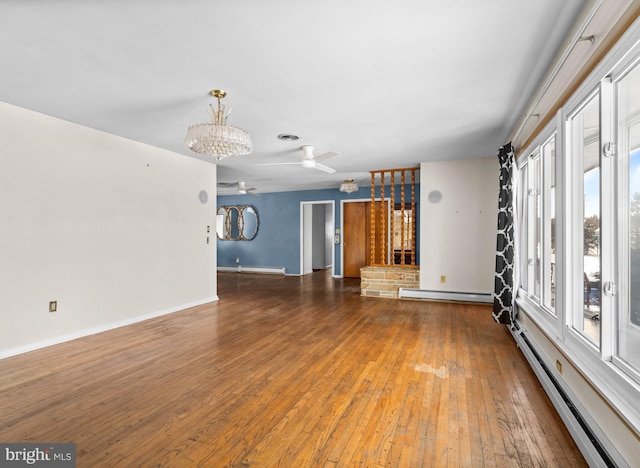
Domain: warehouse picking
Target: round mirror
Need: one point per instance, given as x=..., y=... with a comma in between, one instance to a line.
x=250, y=222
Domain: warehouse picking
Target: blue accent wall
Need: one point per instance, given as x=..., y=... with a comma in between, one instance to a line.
x=277, y=243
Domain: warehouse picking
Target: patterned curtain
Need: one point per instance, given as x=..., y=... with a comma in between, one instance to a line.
x=503, y=311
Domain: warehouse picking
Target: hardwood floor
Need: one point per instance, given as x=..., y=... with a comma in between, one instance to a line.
x=290, y=372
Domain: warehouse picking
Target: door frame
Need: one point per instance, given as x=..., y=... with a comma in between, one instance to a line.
x=305, y=233
x=342, y=202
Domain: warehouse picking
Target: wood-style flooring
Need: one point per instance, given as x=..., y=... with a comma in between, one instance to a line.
x=290, y=372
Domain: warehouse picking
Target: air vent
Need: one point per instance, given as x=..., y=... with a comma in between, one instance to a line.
x=288, y=137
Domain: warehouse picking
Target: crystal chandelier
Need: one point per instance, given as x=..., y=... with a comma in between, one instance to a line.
x=348, y=186
x=218, y=139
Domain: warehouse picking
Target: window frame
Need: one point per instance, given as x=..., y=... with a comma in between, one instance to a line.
x=600, y=367
x=548, y=320
x=621, y=205
x=575, y=262
x=547, y=265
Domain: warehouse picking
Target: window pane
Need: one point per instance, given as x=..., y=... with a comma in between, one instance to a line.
x=537, y=231
x=549, y=220
x=523, y=227
x=629, y=141
x=586, y=131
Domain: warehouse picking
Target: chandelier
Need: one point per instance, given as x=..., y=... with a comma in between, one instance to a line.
x=218, y=139
x=348, y=186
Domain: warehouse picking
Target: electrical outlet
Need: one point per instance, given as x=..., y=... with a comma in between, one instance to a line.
x=559, y=366
x=443, y=279
x=53, y=306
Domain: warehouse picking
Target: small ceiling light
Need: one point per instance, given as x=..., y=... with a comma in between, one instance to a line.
x=349, y=186
x=218, y=139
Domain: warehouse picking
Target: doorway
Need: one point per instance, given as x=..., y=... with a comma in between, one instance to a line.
x=356, y=237
x=317, y=225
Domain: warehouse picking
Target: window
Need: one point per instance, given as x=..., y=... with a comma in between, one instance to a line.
x=522, y=213
x=628, y=309
x=578, y=225
x=536, y=201
x=584, y=127
x=549, y=224
x=536, y=221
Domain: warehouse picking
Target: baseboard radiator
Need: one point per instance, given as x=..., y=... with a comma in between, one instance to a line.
x=588, y=437
x=249, y=269
x=452, y=296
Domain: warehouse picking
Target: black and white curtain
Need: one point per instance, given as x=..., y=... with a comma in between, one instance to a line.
x=503, y=311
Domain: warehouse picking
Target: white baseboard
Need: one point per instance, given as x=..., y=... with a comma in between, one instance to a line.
x=595, y=447
x=5, y=353
x=409, y=293
x=247, y=269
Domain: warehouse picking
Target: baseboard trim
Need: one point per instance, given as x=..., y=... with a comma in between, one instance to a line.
x=5, y=353
x=591, y=441
x=248, y=269
x=453, y=296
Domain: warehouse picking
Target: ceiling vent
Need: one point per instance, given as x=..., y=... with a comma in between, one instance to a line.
x=288, y=137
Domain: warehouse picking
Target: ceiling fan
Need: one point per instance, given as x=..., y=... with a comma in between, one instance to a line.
x=309, y=161
x=241, y=185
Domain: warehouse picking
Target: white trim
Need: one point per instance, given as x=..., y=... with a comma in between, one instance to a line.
x=547, y=322
x=607, y=216
x=462, y=296
x=332, y=203
x=617, y=388
x=582, y=440
x=532, y=188
x=252, y=269
x=547, y=271
x=99, y=329
x=574, y=193
x=625, y=332
x=561, y=210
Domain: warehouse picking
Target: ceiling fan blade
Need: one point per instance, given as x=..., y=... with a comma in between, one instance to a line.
x=324, y=168
x=250, y=189
x=278, y=164
x=325, y=156
x=227, y=184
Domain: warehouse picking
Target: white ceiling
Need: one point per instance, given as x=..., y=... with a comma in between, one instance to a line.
x=385, y=84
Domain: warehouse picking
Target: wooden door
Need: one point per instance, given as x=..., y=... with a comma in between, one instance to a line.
x=354, y=238
x=357, y=237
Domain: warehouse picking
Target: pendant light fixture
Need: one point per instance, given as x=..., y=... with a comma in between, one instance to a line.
x=349, y=186
x=218, y=139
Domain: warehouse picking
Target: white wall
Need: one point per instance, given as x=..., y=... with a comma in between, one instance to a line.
x=458, y=233
x=319, y=237
x=111, y=229
x=328, y=236
x=307, y=238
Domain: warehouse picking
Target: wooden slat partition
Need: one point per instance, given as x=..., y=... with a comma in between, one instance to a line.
x=402, y=205
x=413, y=218
x=384, y=249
